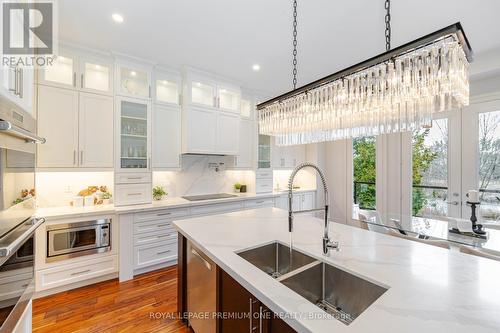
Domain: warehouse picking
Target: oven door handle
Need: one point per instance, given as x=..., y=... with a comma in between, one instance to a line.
x=9, y=246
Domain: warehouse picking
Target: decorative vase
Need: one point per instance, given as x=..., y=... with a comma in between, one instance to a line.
x=157, y=197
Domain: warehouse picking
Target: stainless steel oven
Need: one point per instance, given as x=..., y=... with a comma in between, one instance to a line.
x=78, y=239
x=17, y=208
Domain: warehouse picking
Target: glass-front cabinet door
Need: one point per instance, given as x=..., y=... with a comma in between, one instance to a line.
x=167, y=88
x=133, y=82
x=134, y=135
x=96, y=76
x=61, y=73
x=264, y=153
x=202, y=93
x=228, y=99
x=246, y=108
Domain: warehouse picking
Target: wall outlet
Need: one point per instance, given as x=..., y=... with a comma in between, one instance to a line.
x=68, y=189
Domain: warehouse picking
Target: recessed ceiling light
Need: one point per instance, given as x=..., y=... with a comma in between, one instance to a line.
x=117, y=18
x=133, y=73
x=256, y=67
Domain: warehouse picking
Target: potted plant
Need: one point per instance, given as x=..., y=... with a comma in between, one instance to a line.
x=106, y=197
x=237, y=187
x=158, y=193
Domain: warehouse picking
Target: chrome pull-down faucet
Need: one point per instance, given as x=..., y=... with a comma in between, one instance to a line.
x=327, y=243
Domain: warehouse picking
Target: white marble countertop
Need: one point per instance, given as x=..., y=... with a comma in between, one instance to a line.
x=430, y=289
x=169, y=202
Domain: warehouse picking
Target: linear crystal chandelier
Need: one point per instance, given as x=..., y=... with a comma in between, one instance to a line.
x=396, y=91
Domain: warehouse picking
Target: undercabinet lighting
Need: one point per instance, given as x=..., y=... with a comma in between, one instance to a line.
x=223, y=90
x=165, y=82
x=256, y=67
x=198, y=84
x=133, y=73
x=117, y=18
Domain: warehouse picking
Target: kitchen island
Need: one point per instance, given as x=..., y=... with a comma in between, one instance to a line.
x=426, y=288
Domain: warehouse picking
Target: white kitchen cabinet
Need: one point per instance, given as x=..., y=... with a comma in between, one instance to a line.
x=228, y=98
x=96, y=75
x=58, y=124
x=96, y=131
x=82, y=71
x=77, y=127
x=308, y=201
x=62, y=73
x=133, y=134
x=166, y=137
x=287, y=157
x=246, y=109
x=199, y=90
x=247, y=137
x=17, y=85
x=133, y=79
x=167, y=87
x=199, y=130
x=227, y=138
x=301, y=201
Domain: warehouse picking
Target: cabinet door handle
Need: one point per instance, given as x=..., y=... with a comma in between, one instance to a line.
x=163, y=214
x=82, y=81
x=81, y=157
x=14, y=90
x=149, y=89
x=260, y=319
x=74, y=157
x=80, y=273
x=74, y=79
x=180, y=99
x=21, y=82
x=215, y=102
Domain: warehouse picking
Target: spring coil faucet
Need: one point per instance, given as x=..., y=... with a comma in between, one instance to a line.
x=327, y=244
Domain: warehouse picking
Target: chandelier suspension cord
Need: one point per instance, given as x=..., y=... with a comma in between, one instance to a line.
x=387, y=25
x=294, y=62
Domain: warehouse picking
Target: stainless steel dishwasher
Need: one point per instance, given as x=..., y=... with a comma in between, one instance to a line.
x=201, y=291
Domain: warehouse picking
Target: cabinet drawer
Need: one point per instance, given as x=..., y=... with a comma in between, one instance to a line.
x=216, y=208
x=166, y=235
x=14, y=285
x=264, y=174
x=161, y=214
x=132, y=194
x=152, y=226
x=66, y=274
x=148, y=255
x=263, y=185
x=132, y=178
x=267, y=202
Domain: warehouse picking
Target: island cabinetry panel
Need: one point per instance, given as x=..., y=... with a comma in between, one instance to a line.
x=247, y=312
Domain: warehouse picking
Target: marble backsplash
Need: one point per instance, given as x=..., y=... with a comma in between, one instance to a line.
x=199, y=176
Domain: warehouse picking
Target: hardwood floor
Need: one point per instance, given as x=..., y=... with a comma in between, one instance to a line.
x=147, y=303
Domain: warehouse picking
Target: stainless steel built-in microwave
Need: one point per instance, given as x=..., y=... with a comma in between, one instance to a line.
x=71, y=240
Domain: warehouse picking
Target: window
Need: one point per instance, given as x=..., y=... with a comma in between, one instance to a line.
x=364, y=173
x=430, y=170
x=489, y=165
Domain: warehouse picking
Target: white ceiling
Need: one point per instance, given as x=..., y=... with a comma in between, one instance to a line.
x=228, y=36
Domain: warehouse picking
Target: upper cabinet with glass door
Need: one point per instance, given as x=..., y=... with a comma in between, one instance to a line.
x=79, y=70
x=247, y=107
x=133, y=79
x=205, y=90
x=167, y=87
x=228, y=98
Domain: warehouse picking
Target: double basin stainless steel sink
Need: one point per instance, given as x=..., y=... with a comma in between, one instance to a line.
x=339, y=293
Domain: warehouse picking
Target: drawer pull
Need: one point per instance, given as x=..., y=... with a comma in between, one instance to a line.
x=163, y=252
x=163, y=214
x=80, y=273
x=24, y=285
x=163, y=236
x=163, y=225
x=133, y=178
x=260, y=202
x=131, y=194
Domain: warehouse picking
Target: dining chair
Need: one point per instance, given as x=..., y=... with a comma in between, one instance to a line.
x=434, y=242
x=367, y=216
x=478, y=252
